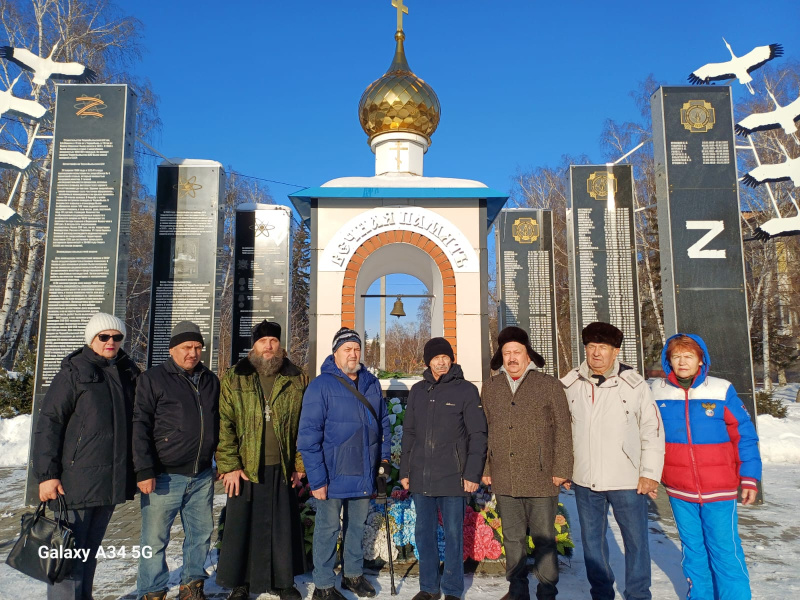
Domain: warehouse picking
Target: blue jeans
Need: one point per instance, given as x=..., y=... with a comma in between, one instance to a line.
x=713, y=559
x=630, y=511
x=326, y=534
x=193, y=497
x=452, y=507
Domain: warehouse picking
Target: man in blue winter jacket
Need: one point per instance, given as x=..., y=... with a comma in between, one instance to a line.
x=344, y=435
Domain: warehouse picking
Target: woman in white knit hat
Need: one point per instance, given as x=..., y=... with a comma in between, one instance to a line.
x=82, y=442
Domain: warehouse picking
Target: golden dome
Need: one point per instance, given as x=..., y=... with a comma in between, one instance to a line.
x=399, y=101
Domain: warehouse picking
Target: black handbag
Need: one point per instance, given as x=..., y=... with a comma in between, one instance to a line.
x=52, y=538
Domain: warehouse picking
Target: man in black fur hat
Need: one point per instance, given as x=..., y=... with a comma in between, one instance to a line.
x=619, y=452
x=530, y=458
x=260, y=400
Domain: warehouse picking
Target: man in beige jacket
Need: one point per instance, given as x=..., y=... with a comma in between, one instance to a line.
x=618, y=441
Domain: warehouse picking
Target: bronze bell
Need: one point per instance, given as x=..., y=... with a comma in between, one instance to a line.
x=397, y=310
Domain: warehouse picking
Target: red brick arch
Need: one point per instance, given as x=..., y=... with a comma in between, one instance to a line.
x=422, y=242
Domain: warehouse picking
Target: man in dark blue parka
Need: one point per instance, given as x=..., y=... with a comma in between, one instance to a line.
x=342, y=442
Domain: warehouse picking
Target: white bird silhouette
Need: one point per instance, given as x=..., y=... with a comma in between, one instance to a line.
x=46, y=68
x=788, y=169
x=8, y=216
x=19, y=107
x=739, y=67
x=782, y=116
x=777, y=227
x=11, y=159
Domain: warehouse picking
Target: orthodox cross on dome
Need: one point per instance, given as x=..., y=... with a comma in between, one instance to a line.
x=401, y=8
x=397, y=146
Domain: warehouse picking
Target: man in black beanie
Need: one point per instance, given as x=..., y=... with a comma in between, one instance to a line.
x=263, y=547
x=175, y=433
x=444, y=451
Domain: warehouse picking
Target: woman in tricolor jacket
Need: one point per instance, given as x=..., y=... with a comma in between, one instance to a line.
x=711, y=451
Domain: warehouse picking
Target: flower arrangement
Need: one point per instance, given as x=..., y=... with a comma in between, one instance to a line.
x=480, y=540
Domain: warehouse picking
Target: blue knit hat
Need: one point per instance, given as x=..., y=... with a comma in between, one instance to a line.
x=343, y=336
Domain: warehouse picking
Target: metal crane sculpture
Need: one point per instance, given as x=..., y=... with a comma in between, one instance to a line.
x=738, y=67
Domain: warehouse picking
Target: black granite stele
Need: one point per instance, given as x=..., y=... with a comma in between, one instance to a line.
x=526, y=278
x=88, y=224
x=601, y=244
x=700, y=238
x=261, y=275
x=188, y=238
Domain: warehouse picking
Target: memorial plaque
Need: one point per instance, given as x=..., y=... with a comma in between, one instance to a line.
x=188, y=238
x=88, y=225
x=700, y=237
x=601, y=243
x=262, y=273
x=526, y=278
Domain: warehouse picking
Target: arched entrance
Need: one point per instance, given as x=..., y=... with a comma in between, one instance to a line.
x=405, y=252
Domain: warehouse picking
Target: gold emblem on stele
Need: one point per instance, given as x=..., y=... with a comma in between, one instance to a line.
x=598, y=182
x=525, y=230
x=188, y=187
x=698, y=116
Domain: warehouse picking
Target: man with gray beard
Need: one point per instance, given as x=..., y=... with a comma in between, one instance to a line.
x=260, y=399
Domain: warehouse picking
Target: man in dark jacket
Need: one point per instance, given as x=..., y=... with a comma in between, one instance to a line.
x=82, y=443
x=175, y=433
x=444, y=451
x=530, y=457
x=260, y=399
x=344, y=433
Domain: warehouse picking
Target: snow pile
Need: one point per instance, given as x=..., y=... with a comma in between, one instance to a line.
x=14, y=440
x=780, y=438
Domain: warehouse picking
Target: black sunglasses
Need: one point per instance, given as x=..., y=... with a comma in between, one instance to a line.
x=104, y=337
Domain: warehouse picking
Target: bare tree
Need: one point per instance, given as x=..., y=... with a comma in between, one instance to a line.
x=617, y=140
x=94, y=33
x=773, y=280
x=301, y=293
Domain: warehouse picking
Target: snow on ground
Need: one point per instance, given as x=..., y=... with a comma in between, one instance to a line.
x=770, y=535
x=780, y=438
x=14, y=439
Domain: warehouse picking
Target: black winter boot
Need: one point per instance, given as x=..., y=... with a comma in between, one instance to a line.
x=359, y=586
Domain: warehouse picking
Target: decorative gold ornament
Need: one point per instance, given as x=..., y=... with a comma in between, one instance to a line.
x=399, y=101
x=598, y=182
x=86, y=106
x=525, y=230
x=698, y=116
x=187, y=187
x=262, y=228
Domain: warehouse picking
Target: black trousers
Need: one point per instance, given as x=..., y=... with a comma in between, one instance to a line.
x=88, y=526
x=262, y=540
x=538, y=515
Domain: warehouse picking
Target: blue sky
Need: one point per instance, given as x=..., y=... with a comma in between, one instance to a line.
x=271, y=88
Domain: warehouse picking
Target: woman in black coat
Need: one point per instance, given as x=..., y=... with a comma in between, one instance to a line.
x=82, y=442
